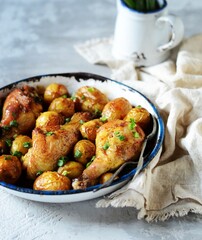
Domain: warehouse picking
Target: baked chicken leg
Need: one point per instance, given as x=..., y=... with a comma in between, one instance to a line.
x=20, y=110
x=49, y=147
x=117, y=142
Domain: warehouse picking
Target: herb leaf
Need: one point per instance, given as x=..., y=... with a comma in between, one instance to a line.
x=17, y=154
x=106, y=146
x=118, y=135
x=67, y=120
x=13, y=123
x=89, y=163
x=77, y=154
x=64, y=96
x=132, y=124
x=8, y=142
x=49, y=133
x=136, y=134
x=27, y=144
x=39, y=173
x=91, y=89
x=62, y=161
x=103, y=119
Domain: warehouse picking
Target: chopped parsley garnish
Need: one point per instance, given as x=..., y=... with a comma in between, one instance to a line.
x=138, y=106
x=62, y=161
x=89, y=163
x=7, y=157
x=97, y=112
x=64, y=96
x=103, y=119
x=8, y=142
x=67, y=120
x=17, y=154
x=136, y=134
x=65, y=173
x=15, y=135
x=14, y=123
x=77, y=154
x=91, y=89
x=118, y=135
x=132, y=124
x=83, y=97
x=81, y=121
x=73, y=98
x=39, y=173
x=49, y=133
x=106, y=146
x=27, y=144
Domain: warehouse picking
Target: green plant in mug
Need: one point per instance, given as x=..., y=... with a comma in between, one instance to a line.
x=144, y=5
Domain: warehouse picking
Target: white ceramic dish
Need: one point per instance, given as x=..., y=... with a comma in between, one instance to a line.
x=112, y=89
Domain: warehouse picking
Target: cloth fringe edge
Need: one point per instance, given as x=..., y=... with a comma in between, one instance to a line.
x=155, y=216
x=118, y=202
x=150, y=216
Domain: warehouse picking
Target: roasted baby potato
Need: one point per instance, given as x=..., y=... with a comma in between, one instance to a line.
x=105, y=177
x=116, y=109
x=84, y=150
x=49, y=120
x=71, y=169
x=54, y=90
x=21, y=144
x=78, y=119
x=89, y=129
x=63, y=105
x=140, y=116
x=10, y=168
x=91, y=100
x=51, y=181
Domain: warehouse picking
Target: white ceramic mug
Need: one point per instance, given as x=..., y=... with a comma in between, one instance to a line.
x=145, y=38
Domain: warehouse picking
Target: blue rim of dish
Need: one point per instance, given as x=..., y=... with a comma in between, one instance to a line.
x=128, y=176
x=140, y=12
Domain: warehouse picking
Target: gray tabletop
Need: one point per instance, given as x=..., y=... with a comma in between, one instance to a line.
x=38, y=37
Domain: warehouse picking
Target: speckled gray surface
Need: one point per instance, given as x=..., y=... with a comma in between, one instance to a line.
x=37, y=37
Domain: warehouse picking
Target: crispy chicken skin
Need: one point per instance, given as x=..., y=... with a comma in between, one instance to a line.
x=21, y=107
x=48, y=147
x=117, y=142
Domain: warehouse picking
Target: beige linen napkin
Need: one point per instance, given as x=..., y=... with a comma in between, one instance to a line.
x=171, y=185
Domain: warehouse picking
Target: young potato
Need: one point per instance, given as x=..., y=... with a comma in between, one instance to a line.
x=63, y=105
x=49, y=120
x=10, y=168
x=52, y=181
x=71, y=169
x=91, y=100
x=140, y=116
x=105, y=177
x=84, y=150
x=116, y=109
x=77, y=120
x=21, y=144
x=54, y=90
x=89, y=129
